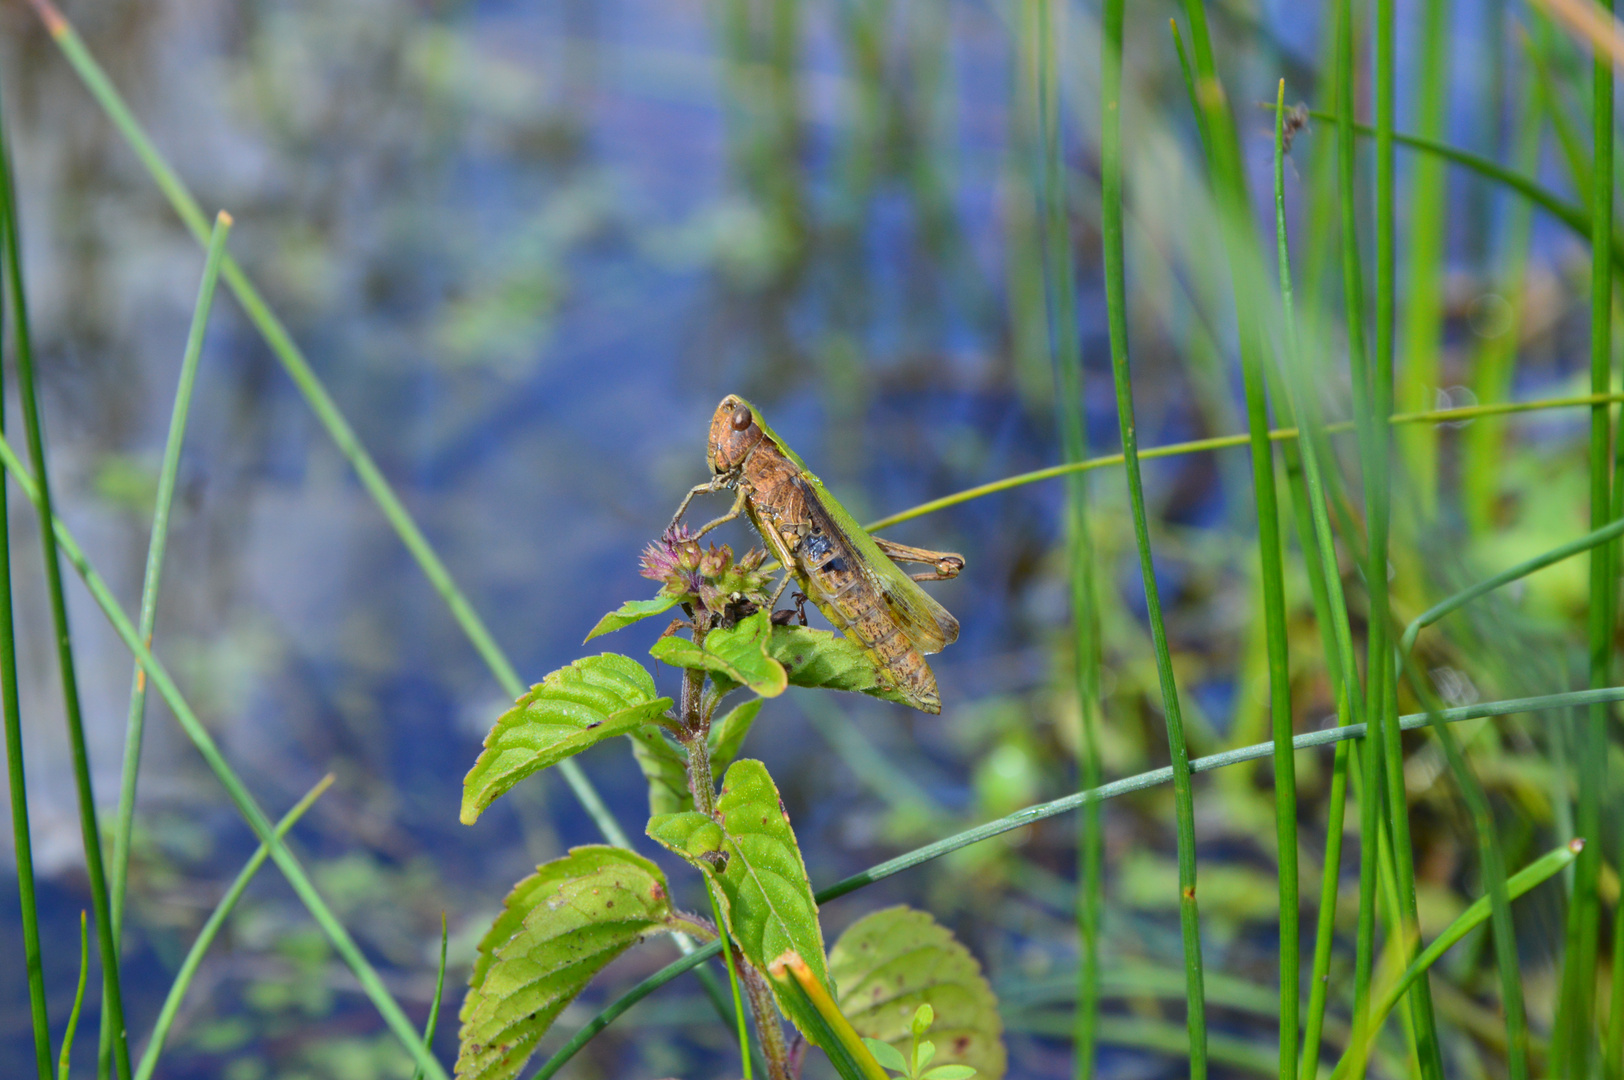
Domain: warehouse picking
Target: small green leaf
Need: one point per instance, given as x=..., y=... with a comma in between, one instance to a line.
x=822, y=659
x=632, y=611
x=727, y=734
x=889, y=963
x=738, y=653
x=665, y=767
x=766, y=897
x=575, y=707
x=887, y=1055
x=949, y=1072
x=558, y=928
x=923, y=1052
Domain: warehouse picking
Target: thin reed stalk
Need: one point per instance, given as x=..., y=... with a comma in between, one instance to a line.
x=1426, y=218
x=1455, y=415
x=1047, y=29
x=135, y=724
x=211, y=929
x=1575, y=1016
x=16, y=774
x=1116, y=302
x=1234, y=208
x=1378, y=521
x=1354, y=312
x=286, y=861
x=90, y=831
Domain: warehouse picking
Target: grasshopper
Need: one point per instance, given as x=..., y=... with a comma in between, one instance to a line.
x=852, y=577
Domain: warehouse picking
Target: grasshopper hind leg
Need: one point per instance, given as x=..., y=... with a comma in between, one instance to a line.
x=947, y=564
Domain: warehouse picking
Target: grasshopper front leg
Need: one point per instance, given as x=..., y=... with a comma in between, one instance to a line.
x=947, y=563
x=713, y=484
x=738, y=508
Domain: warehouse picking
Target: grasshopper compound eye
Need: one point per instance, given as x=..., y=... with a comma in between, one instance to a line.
x=741, y=418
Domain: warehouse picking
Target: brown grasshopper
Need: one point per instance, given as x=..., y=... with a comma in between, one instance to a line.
x=852, y=577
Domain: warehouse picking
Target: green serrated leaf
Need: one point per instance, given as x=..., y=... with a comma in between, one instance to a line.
x=887, y=1055
x=595, y=698
x=632, y=611
x=889, y=963
x=766, y=897
x=558, y=928
x=829, y=661
x=727, y=734
x=738, y=653
x=665, y=766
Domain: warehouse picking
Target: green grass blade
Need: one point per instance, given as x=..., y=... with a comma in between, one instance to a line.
x=1482, y=459
x=332, y=418
x=113, y=1001
x=434, y=1007
x=1338, y=736
x=1229, y=183
x=1354, y=312
x=1573, y=1031
x=1382, y=698
x=1116, y=303
x=211, y=929
x=1493, y=870
x=1325, y=926
x=17, y=780
x=78, y=999
x=1045, y=26
x=732, y=978
x=285, y=860
x=1424, y=258
x=135, y=724
x=1536, y=873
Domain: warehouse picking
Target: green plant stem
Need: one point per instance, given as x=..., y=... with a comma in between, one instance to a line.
x=321, y=403
x=135, y=724
x=113, y=1001
x=1116, y=303
x=1226, y=442
x=16, y=775
x=285, y=860
x=1382, y=698
x=1536, y=873
x=1066, y=349
x=78, y=998
x=433, y=1021
x=1337, y=736
x=211, y=929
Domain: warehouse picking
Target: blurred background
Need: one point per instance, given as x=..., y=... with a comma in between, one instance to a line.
x=529, y=247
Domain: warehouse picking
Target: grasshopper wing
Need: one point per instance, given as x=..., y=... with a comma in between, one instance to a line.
x=927, y=623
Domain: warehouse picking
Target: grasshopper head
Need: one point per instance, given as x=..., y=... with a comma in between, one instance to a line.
x=733, y=434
